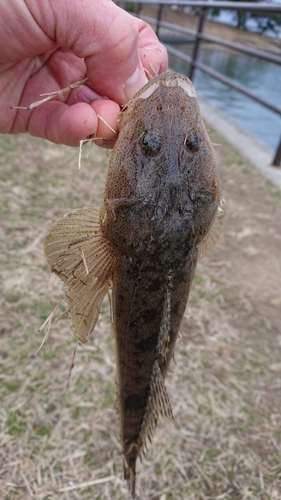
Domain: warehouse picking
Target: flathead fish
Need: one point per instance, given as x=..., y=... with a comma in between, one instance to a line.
x=162, y=211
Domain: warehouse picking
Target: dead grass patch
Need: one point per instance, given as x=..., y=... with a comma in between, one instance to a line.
x=58, y=443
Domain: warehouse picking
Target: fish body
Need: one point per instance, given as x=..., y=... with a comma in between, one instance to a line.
x=161, y=211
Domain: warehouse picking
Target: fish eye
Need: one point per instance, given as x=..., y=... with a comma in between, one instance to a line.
x=192, y=140
x=150, y=143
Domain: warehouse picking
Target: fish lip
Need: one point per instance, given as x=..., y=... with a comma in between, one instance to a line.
x=168, y=79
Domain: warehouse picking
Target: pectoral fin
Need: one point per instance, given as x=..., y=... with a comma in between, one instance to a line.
x=214, y=233
x=85, y=260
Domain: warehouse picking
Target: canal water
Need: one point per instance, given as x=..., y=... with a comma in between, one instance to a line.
x=259, y=76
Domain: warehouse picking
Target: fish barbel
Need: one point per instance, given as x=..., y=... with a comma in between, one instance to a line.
x=162, y=211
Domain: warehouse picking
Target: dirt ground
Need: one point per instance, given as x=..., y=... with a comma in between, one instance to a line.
x=59, y=442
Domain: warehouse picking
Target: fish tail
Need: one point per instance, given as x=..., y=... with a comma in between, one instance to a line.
x=130, y=476
x=158, y=405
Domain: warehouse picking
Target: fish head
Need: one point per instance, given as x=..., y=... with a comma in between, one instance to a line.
x=163, y=176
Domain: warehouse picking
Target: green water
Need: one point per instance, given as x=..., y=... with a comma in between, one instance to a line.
x=261, y=77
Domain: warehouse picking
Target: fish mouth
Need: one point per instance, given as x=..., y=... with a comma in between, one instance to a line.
x=168, y=79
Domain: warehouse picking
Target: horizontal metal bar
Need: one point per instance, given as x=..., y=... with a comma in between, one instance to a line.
x=261, y=54
x=178, y=53
x=224, y=79
x=251, y=6
x=164, y=24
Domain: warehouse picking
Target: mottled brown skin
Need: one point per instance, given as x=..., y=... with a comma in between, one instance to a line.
x=161, y=198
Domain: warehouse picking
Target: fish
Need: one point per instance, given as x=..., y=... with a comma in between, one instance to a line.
x=162, y=211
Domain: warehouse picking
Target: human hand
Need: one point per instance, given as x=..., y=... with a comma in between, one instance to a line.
x=50, y=44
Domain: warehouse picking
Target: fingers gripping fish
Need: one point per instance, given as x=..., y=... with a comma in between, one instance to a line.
x=162, y=211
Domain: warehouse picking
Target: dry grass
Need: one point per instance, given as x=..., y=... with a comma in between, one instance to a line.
x=57, y=443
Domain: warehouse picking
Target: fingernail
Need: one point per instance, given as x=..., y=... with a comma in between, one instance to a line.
x=136, y=81
x=85, y=94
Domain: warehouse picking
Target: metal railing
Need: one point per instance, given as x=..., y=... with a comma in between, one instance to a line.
x=197, y=37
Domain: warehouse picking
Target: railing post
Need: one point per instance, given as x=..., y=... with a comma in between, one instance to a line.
x=197, y=42
x=159, y=14
x=277, y=158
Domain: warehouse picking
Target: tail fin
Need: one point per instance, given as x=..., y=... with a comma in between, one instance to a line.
x=130, y=476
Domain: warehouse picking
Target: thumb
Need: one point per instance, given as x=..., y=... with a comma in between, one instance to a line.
x=112, y=42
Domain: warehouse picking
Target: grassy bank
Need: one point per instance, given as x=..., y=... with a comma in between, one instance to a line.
x=224, y=388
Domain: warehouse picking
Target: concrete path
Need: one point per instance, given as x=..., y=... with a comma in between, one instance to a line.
x=254, y=150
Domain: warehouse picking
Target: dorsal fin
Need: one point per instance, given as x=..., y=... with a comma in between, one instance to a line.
x=85, y=260
x=214, y=233
x=158, y=405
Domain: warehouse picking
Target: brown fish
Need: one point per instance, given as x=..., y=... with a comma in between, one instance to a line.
x=162, y=211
